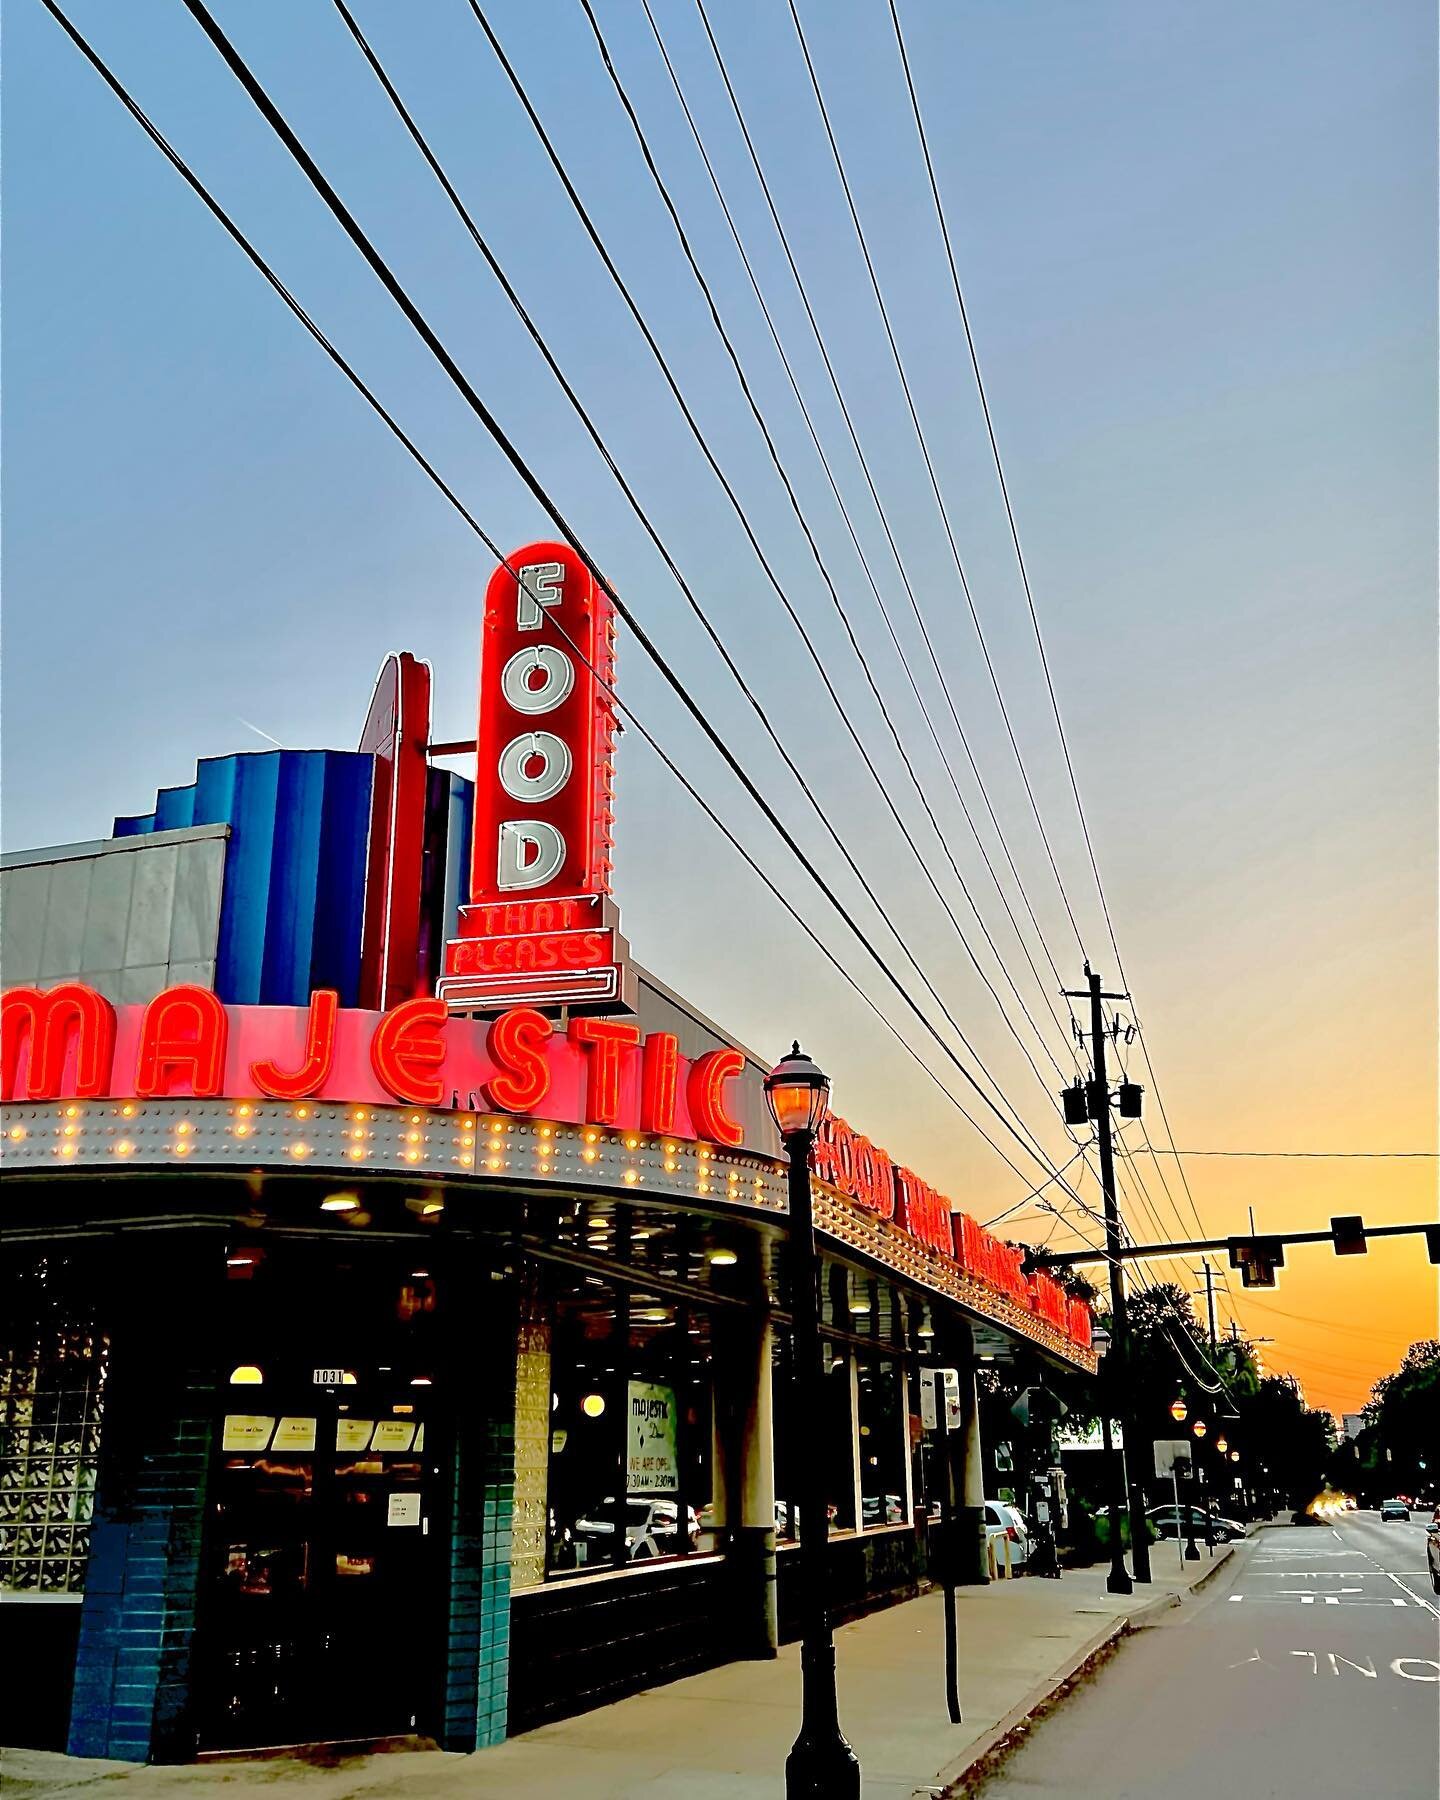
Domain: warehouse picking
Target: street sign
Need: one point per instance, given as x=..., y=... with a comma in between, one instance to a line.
x=940, y=1399
x=1172, y=1455
x=1038, y=1406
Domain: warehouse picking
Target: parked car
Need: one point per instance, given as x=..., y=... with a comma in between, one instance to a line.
x=787, y=1518
x=1432, y=1550
x=1394, y=1509
x=1169, y=1522
x=1003, y=1521
x=652, y=1528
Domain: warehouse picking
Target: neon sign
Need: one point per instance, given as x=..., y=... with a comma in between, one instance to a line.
x=70, y=1042
x=865, y=1174
x=540, y=927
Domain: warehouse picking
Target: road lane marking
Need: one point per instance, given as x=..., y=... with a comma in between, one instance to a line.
x=1340, y=1599
x=1413, y=1595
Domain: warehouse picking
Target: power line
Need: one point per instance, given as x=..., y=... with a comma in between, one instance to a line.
x=1030, y=601
x=1033, y=1192
x=1309, y=1155
x=845, y=412
x=850, y=525
x=929, y=462
x=728, y=489
x=511, y=294
x=358, y=382
x=407, y=306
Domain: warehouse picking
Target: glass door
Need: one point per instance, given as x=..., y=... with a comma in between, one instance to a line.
x=321, y=1551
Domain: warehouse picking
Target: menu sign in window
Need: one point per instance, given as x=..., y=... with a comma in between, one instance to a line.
x=652, y=1462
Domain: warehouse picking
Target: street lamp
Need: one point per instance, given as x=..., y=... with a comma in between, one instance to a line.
x=1221, y=1445
x=1178, y=1410
x=1199, y=1428
x=1118, y=1580
x=821, y=1765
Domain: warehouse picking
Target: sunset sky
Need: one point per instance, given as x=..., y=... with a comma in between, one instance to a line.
x=1198, y=250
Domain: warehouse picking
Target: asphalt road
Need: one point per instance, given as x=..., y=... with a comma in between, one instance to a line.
x=1310, y=1667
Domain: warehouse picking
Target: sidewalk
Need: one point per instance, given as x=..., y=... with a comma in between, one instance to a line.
x=724, y=1735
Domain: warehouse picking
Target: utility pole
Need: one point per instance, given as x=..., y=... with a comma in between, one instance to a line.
x=1099, y=1110
x=1209, y=1272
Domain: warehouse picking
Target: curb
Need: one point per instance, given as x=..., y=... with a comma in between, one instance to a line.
x=982, y=1758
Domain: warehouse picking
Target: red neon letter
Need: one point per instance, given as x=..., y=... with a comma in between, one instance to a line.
x=604, y=1039
x=659, y=1081
x=516, y=1045
x=705, y=1093
x=408, y=1044
x=319, y=1054
x=182, y=1038
x=51, y=1022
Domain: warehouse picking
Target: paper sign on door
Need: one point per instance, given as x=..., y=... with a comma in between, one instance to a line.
x=353, y=1434
x=246, y=1431
x=294, y=1434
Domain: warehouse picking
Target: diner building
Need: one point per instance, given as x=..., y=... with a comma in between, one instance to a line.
x=395, y=1335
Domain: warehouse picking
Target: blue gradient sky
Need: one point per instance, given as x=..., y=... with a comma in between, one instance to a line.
x=1198, y=250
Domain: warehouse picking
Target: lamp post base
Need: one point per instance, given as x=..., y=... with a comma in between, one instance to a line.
x=1118, y=1582
x=1192, y=1554
x=822, y=1767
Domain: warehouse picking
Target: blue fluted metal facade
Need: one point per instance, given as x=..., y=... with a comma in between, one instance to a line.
x=294, y=891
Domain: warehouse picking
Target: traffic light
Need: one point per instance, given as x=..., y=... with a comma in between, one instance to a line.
x=1432, y=1242
x=1257, y=1260
x=1348, y=1231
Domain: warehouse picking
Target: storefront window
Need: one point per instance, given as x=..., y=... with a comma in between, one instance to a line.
x=52, y=1381
x=630, y=1445
x=883, y=1432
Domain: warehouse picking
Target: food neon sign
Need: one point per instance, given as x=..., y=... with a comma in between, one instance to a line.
x=541, y=927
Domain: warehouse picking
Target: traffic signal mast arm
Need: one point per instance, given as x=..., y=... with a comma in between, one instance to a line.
x=1241, y=1249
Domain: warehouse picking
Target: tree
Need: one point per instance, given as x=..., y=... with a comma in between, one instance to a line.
x=1399, y=1448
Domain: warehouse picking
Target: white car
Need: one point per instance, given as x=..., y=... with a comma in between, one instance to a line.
x=651, y=1529
x=1006, y=1522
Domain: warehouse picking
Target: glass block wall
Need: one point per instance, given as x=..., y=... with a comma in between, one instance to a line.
x=52, y=1388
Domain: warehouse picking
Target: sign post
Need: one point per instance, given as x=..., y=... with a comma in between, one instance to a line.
x=1172, y=1455
x=940, y=1412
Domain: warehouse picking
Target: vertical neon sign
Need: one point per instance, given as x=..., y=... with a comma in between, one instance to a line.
x=540, y=926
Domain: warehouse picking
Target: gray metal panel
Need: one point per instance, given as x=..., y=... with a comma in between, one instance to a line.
x=108, y=914
x=199, y=973
x=122, y=846
x=151, y=905
x=24, y=895
x=195, y=920
x=65, y=919
x=140, y=984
